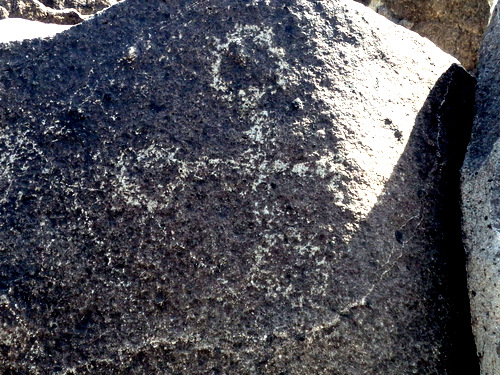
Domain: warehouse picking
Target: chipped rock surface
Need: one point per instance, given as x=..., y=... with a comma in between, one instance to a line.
x=219, y=187
x=456, y=26
x=481, y=205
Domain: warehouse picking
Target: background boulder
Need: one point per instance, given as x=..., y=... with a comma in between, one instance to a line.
x=456, y=26
x=65, y=12
x=481, y=205
x=232, y=187
x=83, y=6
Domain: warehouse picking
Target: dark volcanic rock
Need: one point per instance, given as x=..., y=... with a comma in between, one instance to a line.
x=481, y=204
x=221, y=187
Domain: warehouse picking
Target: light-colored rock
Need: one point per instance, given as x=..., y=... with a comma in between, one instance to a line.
x=65, y=12
x=85, y=7
x=481, y=204
x=456, y=26
x=15, y=29
x=34, y=10
x=4, y=13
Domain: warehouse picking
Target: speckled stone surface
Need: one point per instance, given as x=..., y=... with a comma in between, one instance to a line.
x=231, y=187
x=481, y=204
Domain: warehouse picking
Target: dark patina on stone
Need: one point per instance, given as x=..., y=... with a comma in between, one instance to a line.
x=230, y=187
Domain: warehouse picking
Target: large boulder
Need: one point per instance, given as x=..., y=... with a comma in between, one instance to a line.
x=232, y=187
x=481, y=205
x=456, y=26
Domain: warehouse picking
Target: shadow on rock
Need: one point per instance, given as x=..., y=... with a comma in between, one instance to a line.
x=420, y=291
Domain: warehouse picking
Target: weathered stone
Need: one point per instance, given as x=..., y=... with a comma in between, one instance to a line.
x=481, y=205
x=4, y=13
x=83, y=6
x=232, y=187
x=52, y=11
x=456, y=26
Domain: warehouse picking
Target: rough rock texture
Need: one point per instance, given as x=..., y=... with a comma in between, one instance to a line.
x=83, y=6
x=3, y=13
x=456, y=26
x=52, y=11
x=220, y=187
x=481, y=205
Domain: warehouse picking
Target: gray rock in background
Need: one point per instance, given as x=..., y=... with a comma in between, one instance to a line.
x=220, y=187
x=64, y=12
x=83, y=6
x=4, y=13
x=456, y=26
x=481, y=205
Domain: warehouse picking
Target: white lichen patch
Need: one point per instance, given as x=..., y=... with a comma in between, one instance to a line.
x=131, y=54
x=130, y=189
x=250, y=98
x=256, y=132
x=247, y=36
x=300, y=169
x=258, y=2
x=14, y=149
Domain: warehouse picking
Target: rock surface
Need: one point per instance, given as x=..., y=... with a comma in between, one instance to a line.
x=456, y=26
x=83, y=6
x=15, y=29
x=481, y=205
x=66, y=12
x=219, y=187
